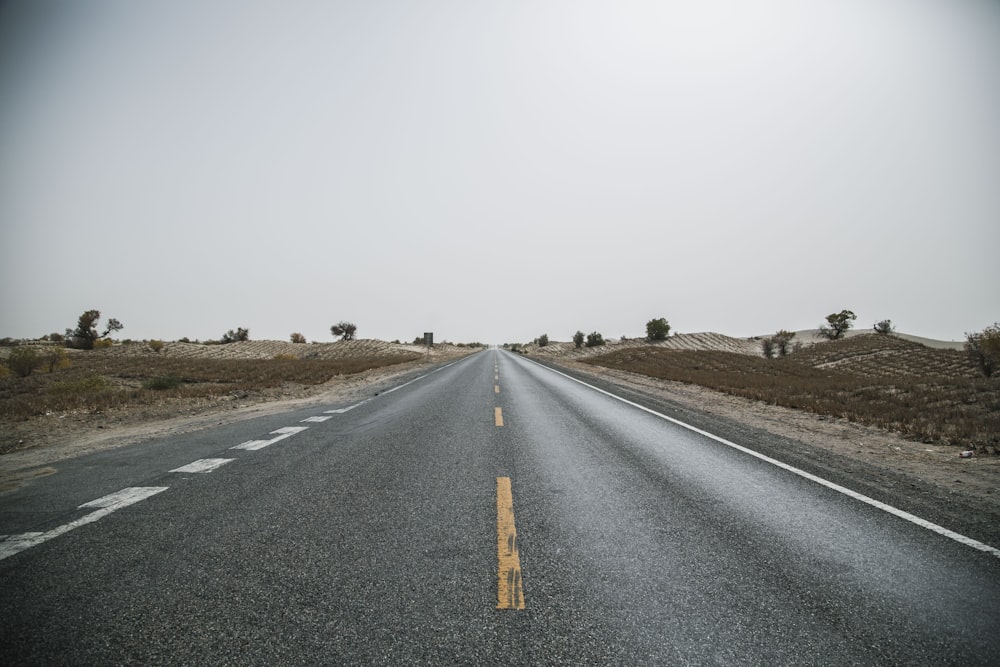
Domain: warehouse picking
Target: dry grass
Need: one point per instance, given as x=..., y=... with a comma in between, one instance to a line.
x=926, y=394
x=101, y=380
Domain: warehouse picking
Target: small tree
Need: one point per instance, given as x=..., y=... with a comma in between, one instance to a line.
x=55, y=358
x=595, y=339
x=85, y=334
x=884, y=327
x=542, y=340
x=767, y=347
x=298, y=338
x=237, y=336
x=22, y=361
x=838, y=323
x=578, y=339
x=345, y=330
x=657, y=329
x=983, y=348
x=783, y=341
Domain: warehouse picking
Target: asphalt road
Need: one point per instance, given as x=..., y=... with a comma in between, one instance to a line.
x=490, y=511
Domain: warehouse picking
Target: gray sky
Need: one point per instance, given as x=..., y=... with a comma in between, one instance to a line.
x=493, y=171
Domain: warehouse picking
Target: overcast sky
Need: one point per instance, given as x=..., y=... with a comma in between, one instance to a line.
x=494, y=170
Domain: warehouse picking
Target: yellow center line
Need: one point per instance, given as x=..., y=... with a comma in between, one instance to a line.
x=498, y=416
x=510, y=594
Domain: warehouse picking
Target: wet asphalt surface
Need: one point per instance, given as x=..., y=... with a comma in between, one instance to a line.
x=371, y=538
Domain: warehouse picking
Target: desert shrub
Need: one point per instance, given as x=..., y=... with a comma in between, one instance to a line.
x=884, y=327
x=542, y=340
x=56, y=337
x=155, y=345
x=983, y=349
x=237, y=336
x=767, y=347
x=345, y=330
x=782, y=341
x=578, y=338
x=81, y=385
x=85, y=334
x=162, y=383
x=22, y=361
x=657, y=329
x=102, y=343
x=595, y=339
x=837, y=324
x=4, y=372
x=285, y=357
x=55, y=359
x=297, y=338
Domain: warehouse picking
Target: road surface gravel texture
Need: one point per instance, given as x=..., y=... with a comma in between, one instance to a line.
x=368, y=534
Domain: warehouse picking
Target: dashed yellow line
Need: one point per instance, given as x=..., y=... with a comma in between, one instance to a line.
x=510, y=594
x=498, y=416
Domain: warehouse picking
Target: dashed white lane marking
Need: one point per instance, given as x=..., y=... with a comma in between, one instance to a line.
x=319, y=419
x=895, y=511
x=105, y=506
x=203, y=465
x=340, y=411
x=287, y=432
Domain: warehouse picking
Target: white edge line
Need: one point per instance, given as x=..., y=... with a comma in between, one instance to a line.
x=895, y=511
x=106, y=505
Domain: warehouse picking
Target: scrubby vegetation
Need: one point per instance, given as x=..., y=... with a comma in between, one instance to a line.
x=926, y=394
x=345, y=330
x=837, y=324
x=983, y=348
x=85, y=335
x=657, y=329
x=102, y=380
x=237, y=336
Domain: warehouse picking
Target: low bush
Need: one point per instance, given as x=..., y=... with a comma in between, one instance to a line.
x=155, y=345
x=80, y=385
x=55, y=358
x=162, y=383
x=22, y=361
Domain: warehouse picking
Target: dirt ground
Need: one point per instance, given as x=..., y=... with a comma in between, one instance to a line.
x=56, y=437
